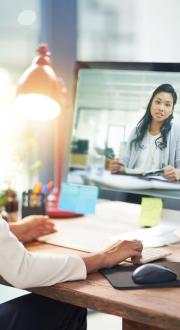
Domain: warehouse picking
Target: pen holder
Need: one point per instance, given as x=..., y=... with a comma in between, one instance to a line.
x=33, y=203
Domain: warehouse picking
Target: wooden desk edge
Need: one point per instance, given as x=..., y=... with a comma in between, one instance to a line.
x=68, y=292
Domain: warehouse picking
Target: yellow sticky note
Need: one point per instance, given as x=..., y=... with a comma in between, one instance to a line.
x=150, y=211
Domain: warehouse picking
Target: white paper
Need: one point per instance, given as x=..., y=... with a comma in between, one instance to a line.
x=113, y=221
x=130, y=182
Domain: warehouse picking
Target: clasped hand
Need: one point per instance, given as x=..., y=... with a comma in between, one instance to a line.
x=171, y=173
x=116, y=166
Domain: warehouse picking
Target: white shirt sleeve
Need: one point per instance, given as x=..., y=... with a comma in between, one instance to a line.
x=24, y=269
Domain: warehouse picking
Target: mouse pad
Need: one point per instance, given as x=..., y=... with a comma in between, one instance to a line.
x=120, y=276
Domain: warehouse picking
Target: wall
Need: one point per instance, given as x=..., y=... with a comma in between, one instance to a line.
x=157, y=30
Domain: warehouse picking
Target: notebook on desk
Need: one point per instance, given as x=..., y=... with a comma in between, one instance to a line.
x=133, y=182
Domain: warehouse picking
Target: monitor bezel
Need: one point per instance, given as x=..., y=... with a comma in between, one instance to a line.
x=130, y=65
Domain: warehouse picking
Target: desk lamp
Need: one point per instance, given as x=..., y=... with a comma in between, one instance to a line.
x=41, y=94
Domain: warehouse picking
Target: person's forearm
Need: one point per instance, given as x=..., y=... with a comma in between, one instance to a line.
x=24, y=269
x=113, y=255
x=94, y=261
x=15, y=229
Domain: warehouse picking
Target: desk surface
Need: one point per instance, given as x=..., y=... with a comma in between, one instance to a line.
x=144, y=308
x=130, y=184
x=150, y=307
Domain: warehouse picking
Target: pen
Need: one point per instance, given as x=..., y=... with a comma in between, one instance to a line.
x=46, y=189
x=50, y=185
x=37, y=188
x=112, y=158
x=158, y=171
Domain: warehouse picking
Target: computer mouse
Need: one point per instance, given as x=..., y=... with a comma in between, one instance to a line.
x=153, y=273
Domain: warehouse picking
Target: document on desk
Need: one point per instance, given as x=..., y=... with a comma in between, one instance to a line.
x=158, y=236
x=92, y=232
x=113, y=221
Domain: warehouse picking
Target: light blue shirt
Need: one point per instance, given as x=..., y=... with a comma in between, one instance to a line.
x=168, y=156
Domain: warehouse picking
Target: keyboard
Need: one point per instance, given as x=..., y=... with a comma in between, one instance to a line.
x=151, y=254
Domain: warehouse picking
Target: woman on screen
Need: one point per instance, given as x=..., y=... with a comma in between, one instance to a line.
x=155, y=141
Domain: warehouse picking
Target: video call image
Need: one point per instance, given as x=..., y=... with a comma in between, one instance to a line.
x=108, y=105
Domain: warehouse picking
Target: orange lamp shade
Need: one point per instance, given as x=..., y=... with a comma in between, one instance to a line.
x=39, y=89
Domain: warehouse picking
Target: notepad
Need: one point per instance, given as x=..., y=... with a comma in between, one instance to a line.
x=78, y=198
x=113, y=221
x=150, y=211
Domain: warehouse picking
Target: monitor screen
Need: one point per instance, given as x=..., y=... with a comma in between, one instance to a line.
x=109, y=100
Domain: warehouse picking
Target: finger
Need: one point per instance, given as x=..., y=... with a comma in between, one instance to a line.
x=168, y=172
x=49, y=221
x=115, y=162
x=44, y=231
x=171, y=177
x=171, y=172
x=137, y=244
x=41, y=217
x=42, y=222
x=115, y=167
x=46, y=227
x=115, y=171
x=137, y=241
x=136, y=254
x=135, y=260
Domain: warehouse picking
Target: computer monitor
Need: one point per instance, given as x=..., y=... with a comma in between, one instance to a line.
x=109, y=100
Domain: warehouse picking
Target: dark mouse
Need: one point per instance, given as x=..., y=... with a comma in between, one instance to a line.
x=153, y=273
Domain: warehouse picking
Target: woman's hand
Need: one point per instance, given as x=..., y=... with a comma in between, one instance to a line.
x=171, y=173
x=113, y=255
x=122, y=250
x=116, y=166
x=32, y=227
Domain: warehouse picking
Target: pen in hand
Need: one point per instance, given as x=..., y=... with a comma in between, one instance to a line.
x=116, y=166
x=111, y=157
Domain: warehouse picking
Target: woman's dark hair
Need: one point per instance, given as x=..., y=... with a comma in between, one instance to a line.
x=143, y=124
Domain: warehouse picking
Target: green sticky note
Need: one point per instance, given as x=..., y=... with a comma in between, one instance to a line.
x=150, y=211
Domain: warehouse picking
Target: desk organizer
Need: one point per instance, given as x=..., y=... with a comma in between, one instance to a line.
x=33, y=203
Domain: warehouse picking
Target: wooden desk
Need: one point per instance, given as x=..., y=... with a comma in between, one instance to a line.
x=149, y=309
